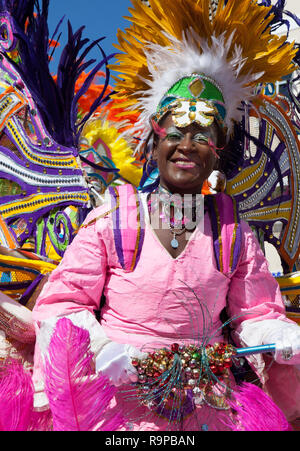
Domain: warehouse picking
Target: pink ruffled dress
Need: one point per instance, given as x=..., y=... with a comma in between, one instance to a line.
x=164, y=300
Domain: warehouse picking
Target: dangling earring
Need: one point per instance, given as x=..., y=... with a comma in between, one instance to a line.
x=216, y=182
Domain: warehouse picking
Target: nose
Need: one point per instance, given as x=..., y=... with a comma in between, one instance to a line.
x=186, y=143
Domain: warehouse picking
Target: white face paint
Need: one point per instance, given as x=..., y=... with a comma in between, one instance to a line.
x=174, y=135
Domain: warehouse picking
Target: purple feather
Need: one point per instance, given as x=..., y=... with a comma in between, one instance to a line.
x=278, y=11
x=254, y=410
x=77, y=396
x=55, y=101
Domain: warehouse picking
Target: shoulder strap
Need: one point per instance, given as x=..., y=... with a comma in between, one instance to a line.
x=226, y=231
x=128, y=224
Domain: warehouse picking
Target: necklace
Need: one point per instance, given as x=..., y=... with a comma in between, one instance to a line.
x=175, y=210
x=174, y=241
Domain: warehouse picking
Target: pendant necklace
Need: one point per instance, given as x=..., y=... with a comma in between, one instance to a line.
x=174, y=241
x=162, y=197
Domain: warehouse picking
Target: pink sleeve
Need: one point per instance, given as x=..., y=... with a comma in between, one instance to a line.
x=77, y=282
x=253, y=291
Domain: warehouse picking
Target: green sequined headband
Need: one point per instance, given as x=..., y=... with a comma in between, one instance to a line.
x=195, y=98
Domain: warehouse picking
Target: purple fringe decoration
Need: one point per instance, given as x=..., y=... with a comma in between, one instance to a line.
x=278, y=11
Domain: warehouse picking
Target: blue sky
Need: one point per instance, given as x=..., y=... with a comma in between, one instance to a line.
x=100, y=17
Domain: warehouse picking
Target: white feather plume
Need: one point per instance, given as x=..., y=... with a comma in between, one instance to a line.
x=182, y=58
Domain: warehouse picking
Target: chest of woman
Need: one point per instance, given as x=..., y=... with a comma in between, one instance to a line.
x=164, y=296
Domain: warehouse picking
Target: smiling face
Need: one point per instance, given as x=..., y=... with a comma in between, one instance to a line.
x=184, y=156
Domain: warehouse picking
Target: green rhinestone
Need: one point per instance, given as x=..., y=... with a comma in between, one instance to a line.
x=196, y=356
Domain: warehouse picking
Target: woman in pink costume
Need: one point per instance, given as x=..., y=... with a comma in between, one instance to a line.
x=164, y=274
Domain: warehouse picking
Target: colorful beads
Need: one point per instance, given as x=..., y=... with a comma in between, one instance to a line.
x=182, y=369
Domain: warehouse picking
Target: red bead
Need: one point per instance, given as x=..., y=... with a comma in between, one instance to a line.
x=175, y=347
x=227, y=363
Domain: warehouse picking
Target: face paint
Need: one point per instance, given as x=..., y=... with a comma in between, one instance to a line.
x=184, y=157
x=159, y=131
x=174, y=135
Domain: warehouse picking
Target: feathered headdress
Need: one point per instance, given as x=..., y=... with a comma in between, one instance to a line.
x=198, y=59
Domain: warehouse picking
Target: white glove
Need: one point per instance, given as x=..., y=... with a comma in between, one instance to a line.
x=287, y=343
x=285, y=335
x=114, y=361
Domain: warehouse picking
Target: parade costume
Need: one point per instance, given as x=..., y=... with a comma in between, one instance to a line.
x=187, y=307
x=147, y=300
x=211, y=69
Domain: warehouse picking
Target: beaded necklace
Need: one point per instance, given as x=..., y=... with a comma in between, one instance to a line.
x=179, y=213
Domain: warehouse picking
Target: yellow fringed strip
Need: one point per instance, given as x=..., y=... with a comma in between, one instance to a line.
x=24, y=263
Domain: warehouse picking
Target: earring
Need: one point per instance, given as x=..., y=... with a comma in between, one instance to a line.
x=216, y=183
x=152, y=168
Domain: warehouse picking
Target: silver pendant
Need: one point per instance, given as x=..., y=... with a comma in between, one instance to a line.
x=174, y=243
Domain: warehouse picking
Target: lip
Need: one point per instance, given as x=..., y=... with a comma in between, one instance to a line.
x=184, y=163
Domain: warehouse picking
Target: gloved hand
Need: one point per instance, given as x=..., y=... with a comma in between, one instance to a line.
x=287, y=342
x=114, y=361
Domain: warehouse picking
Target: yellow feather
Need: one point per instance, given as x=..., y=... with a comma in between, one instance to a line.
x=262, y=51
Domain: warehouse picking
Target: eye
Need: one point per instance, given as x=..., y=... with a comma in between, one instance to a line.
x=200, y=138
x=174, y=136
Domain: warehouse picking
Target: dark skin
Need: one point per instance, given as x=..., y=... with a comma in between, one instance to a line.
x=185, y=160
